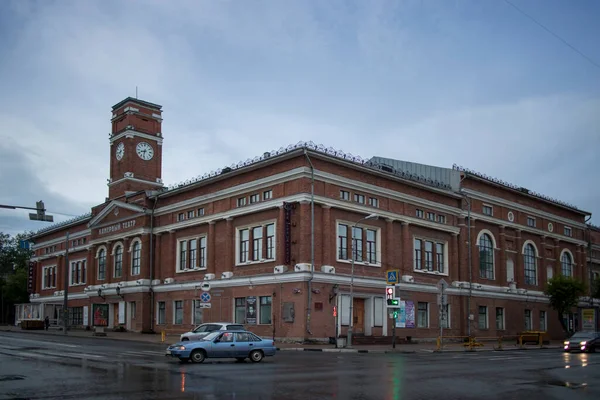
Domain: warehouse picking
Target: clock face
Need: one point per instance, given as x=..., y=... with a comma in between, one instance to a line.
x=144, y=150
x=120, y=151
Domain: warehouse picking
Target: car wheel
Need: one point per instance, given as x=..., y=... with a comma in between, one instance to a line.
x=256, y=356
x=197, y=356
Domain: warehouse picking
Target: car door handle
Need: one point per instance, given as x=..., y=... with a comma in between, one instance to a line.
x=250, y=344
x=232, y=345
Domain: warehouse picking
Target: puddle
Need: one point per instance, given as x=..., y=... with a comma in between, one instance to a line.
x=4, y=378
x=570, y=385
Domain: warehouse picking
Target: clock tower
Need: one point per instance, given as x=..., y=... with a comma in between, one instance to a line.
x=135, y=147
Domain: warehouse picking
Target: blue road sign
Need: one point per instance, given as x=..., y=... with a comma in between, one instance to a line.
x=205, y=297
x=392, y=276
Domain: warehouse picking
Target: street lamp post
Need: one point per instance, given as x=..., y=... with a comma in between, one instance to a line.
x=351, y=326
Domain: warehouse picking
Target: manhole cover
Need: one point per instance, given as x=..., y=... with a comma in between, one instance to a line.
x=570, y=385
x=11, y=378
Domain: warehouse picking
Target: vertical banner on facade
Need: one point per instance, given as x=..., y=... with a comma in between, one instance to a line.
x=410, y=314
x=121, y=312
x=100, y=312
x=251, y=310
x=401, y=320
x=287, y=233
x=86, y=317
x=31, y=278
x=589, y=319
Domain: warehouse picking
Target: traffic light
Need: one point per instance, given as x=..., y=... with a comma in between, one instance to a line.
x=389, y=293
x=395, y=314
x=393, y=302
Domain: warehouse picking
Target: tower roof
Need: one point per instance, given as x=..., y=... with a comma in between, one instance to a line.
x=138, y=101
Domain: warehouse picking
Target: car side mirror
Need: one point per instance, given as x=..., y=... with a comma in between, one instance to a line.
x=217, y=340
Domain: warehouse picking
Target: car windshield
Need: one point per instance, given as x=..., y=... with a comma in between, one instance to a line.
x=582, y=335
x=211, y=336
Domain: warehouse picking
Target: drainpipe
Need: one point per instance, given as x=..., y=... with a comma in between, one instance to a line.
x=469, y=260
x=589, y=264
x=152, y=264
x=312, y=241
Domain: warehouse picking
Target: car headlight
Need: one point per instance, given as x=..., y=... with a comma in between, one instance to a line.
x=566, y=343
x=180, y=347
x=583, y=343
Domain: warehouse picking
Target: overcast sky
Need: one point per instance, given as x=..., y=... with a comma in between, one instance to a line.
x=469, y=82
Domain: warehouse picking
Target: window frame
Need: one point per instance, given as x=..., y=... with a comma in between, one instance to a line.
x=78, y=272
x=570, y=264
x=487, y=264
x=420, y=266
x=101, y=256
x=175, y=309
x=265, y=242
x=486, y=207
x=136, y=256
x=419, y=319
x=530, y=263
x=503, y=327
x=348, y=238
x=201, y=253
x=50, y=276
x=487, y=317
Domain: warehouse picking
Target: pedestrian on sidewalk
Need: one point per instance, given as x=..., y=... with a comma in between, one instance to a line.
x=47, y=322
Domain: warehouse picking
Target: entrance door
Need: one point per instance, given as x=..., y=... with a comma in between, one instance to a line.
x=128, y=314
x=358, y=311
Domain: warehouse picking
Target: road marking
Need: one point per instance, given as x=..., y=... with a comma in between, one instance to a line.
x=507, y=358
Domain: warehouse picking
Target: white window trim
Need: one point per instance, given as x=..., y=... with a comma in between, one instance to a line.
x=350, y=239
x=113, y=254
x=342, y=192
x=572, y=261
x=71, y=272
x=534, y=222
x=424, y=239
x=565, y=227
x=158, y=313
x=130, y=251
x=267, y=194
x=182, y=312
x=490, y=206
x=96, y=260
x=537, y=258
x=448, y=319
x=382, y=314
x=258, y=312
x=503, y=319
x=256, y=196
x=545, y=327
x=249, y=227
x=44, y=268
x=494, y=246
x=487, y=317
x=428, y=315
x=178, y=257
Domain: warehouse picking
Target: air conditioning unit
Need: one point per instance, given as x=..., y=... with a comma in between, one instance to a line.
x=154, y=282
x=209, y=277
x=328, y=269
x=304, y=267
x=408, y=278
x=169, y=280
x=226, y=275
x=280, y=269
x=122, y=283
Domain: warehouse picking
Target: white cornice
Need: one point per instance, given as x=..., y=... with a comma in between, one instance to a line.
x=111, y=206
x=132, y=133
x=258, y=184
x=121, y=235
x=134, y=180
x=62, y=239
x=376, y=190
x=524, y=228
x=516, y=206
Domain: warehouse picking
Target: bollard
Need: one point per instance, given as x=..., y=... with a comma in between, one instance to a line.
x=438, y=344
x=520, y=341
x=163, y=336
x=500, y=343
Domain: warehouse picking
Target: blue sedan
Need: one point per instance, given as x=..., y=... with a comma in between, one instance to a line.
x=224, y=344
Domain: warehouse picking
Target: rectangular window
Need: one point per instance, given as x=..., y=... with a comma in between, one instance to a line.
x=240, y=310
x=488, y=210
x=531, y=222
x=568, y=231
x=358, y=244
x=527, y=315
x=418, y=254
x=255, y=198
x=133, y=309
x=49, y=281
x=499, y=318
x=202, y=253
x=441, y=219
x=270, y=241
x=200, y=212
x=136, y=258
x=102, y=265
x=190, y=214
x=423, y=315
x=371, y=246
x=543, y=326
x=431, y=216
x=378, y=311
x=162, y=313
x=180, y=217
x=439, y=257
x=198, y=313
x=265, y=310
x=76, y=315
x=241, y=202
x=118, y=262
x=73, y=273
x=83, y=274
x=483, y=317
x=257, y=243
x=193, y=253
x=446, y=317
x=374, y=202
x=359, y=198
x=429, y=255
x=267, y=195
x=244, y=245
x=344, y=195
x=342, y=242
x=419, y=213
x=183, y=255
x=178, y=312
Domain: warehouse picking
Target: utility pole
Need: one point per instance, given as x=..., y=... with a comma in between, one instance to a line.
x=66, y=287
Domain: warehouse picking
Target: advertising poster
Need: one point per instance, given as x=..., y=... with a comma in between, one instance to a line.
x=410, y=314
x=401, y=320
x=589, y=319
x=251, y=310
x=100, y=312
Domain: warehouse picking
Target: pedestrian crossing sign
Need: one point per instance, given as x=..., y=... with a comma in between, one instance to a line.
x=392, y=276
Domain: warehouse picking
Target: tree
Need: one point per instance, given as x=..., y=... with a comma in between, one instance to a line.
x=14, y=262
x=564, y=293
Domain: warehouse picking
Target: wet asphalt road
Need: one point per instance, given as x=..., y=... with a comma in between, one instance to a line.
x=56, y=367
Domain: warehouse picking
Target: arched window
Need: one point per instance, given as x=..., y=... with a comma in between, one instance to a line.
x=486, y=257
x=136, y=255
x=530, y=263
x=102, y=264
x=118, y=261
x=567, y=264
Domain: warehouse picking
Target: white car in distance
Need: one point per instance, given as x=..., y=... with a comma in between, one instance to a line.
x=204, y=329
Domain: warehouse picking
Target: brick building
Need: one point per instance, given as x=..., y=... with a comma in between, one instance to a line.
x=253, y=230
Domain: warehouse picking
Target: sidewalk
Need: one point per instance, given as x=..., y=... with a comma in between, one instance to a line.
x=427, y=347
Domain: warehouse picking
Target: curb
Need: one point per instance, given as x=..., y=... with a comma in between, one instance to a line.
x=91, y=336
x=429, y=351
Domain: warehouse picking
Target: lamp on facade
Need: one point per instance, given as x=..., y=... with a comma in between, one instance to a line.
x=100, y=294
x=351, y=326
x=118, y=290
